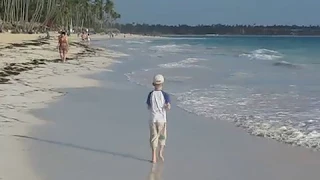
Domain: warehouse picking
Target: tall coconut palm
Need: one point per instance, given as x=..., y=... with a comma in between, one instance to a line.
x=26, y=14
x=108, y=9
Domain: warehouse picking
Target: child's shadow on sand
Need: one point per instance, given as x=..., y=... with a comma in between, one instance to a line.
x=84, y=148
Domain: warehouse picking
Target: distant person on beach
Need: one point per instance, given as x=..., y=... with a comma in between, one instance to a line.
x=88, y=37
x=63, y=46
x=158, y=103
x=84, y=35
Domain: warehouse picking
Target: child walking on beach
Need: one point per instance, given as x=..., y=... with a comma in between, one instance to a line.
x=158, y=103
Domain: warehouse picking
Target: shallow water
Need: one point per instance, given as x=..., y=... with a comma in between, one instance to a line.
x=267, y=85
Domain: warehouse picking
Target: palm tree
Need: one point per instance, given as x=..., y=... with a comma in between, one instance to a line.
x=32, y=14
x=108, y=9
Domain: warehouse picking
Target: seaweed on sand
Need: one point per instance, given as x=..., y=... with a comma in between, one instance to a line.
x=13, y=69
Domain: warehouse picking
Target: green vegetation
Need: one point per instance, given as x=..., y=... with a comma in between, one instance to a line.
x=24, y=16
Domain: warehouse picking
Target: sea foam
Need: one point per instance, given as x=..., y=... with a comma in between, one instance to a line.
x=277, y=116
x=263, y=54
x=186, y=63
x=173, y=48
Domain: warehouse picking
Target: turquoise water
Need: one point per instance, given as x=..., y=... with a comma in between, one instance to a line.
x=269, y=86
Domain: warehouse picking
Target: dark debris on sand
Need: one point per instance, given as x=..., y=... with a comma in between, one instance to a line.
x=12, y=69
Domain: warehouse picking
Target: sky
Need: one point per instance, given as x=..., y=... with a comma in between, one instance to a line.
x=194, y=12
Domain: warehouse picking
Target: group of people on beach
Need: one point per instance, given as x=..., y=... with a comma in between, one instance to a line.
x=85, y=36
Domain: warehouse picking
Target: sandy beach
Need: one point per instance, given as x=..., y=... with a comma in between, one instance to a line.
x=30, y=74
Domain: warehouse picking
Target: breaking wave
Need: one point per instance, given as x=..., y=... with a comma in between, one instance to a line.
x=177, y=79
x=136, y=42
x=263, y=54
x=282, y=117
x=143, y=79
x=286, y=64
x=187, y=63
x=173, y=48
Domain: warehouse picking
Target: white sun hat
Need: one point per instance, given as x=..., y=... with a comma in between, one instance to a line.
x=158, y=79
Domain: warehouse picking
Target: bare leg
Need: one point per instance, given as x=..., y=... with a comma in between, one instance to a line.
x=154, y=155
x=161, y=153
x=64, y=55
x=162, y=139
x=61, y=54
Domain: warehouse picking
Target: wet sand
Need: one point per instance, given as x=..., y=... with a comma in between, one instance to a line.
x=102, y=133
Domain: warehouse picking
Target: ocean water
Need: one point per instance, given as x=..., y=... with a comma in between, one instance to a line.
x=269, y=86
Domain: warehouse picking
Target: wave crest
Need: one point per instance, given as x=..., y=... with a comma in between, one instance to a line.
x=263, y=54
x=169, y=48
x=275, y=116
x=187, y=63
x=286, y=64
x=135, y=42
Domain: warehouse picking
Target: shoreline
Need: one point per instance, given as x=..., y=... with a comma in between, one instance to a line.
x=30, y=74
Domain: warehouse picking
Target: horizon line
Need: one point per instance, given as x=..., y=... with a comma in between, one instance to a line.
x=264, y=25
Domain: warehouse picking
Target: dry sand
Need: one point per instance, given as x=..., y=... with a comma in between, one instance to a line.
x=34, y=87
x=6, y=38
